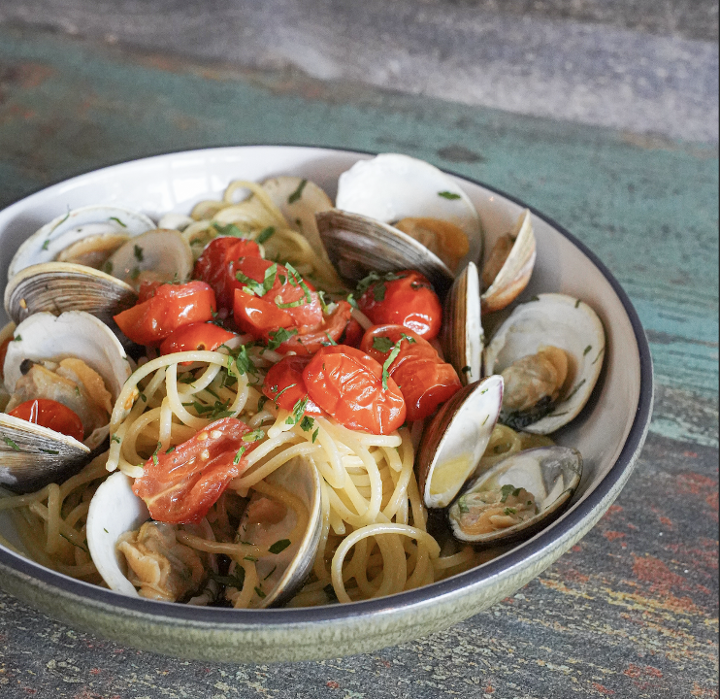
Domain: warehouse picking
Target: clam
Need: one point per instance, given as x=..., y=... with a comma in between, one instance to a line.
x=30, y=455
x=87, y=235
x=550, y=352
x=517, y=497
x=462, y=337
x=285, y=562
x=455, y=440
x=509, y=266
x=428, y=204
x=55, y=287
x=115, y=510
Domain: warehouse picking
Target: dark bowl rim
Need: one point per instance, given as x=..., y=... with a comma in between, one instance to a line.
x=403, y=601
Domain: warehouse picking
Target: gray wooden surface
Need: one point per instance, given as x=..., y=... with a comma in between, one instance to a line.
x=632, y=611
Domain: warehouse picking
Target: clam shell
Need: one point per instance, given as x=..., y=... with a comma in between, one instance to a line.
x=561, y=321
x=163, y=253
x=57, y=287
x=358, y=245
x=515, y=274
x=455, y=440
x=462, y=337
x=114, y=510
x=33, y=456
x=391, y=187
x=65, y=230
x=284, y=573
x=551, y=474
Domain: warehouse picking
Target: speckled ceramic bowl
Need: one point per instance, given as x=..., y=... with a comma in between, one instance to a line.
x=610, y=432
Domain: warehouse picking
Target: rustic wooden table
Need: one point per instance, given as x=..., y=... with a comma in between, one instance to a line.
x=632, y=610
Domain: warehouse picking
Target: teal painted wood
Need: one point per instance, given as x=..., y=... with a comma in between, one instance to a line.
x=632, y=612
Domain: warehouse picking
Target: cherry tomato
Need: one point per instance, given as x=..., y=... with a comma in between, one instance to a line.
x=307, y=342
x=180, y=487
x=284, y=384
x=424, y=379
x=348, y=385
x=172, y=306
x=271, y=298
x=352, y=335
x=216, y=266
x=50, y=413
x=403, y=298
x=196, y=336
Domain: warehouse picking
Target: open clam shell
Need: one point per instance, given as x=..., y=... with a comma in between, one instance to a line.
x=161, y=255
x=57, y=287
x=455, y=440
x=358, y=245
x=495, y=509
x=392, y=187
x=89, y=222
x=30, y=455
x=514, y=275
x=462, y=336
x=560, y=321
x=283, y=573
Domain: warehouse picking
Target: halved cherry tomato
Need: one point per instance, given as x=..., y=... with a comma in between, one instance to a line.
x=172, y=306
x=181, y=486
x=352, y=335
x=307, y=342
x=196, y=336
x=50, y=413
x=348, y=385
x=424, y=379
x=216, y=266
x=270, y=298
x=403, y=298
x=284, y=384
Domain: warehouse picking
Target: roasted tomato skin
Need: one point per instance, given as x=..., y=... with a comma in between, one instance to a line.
x=347, y=384
x=51, y=414
x=284, y=384
x=406, y=299
x=171, y=307
x=180, y=487
x=424, y=379
x=196, y=336
x=308, y=342
x=216, y=266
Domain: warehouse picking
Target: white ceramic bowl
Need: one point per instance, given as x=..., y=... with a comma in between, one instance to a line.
x=609, y=433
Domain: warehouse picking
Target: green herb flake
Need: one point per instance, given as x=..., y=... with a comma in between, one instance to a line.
x=298, y=411
x=279, y=336
x=449, y=195
x=260, y=593
x=11, y=444
x=297, y=194
x=116, y=439
x=138, y=252
x=510, y=511
x=330, y=342
x=265, y=235
x=118, y=221
x=170, y=450
x=577, y=303
x=307, y=423
x=46, y=244
x=236, y=580
x=315, y=435
x=463, y=506
x=229, y=230
x=17, y=338
x=382, y=344
x=252, y=559
x=587, y=351
x=254, y=436
x=239, y=455
x=506, y=491
x=270, y=573
x=392, y=357
x=261, y=403
x=466, y=370
x=279, y=546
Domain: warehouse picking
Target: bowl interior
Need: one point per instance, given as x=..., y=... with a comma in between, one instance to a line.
x=175, y=182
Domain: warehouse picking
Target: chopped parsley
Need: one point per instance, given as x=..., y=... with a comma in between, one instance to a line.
x=392, y=357
x=297, y=194
x=255, y=288
x=265, y=235
x=382, y=344
x=118, y=221
x=507, y=490
x=239, y=455
x=230, y=229
x=510, y=511
x=315, y=435
x=270, y=573
x=449, y=195
x=307, y=423
x=46, y=244
x=155, y=453
x=116, y=439
x=376, y=282
x=254, y=436
x=463, y=506
x=279, y=546
x=236, y=580
x=138, y=252
x=287, y=388
x=11, y=444
x=298, y=411
x=587, y=351
x=260, y=593
x=279, y=336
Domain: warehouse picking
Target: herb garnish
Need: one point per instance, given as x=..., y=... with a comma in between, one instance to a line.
x=295, y=196
x=279, y=546
x=236, y=580
x=279, y=336
x=449, y=195
x=265, y=235
x=138, y=252
x=11, y=444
